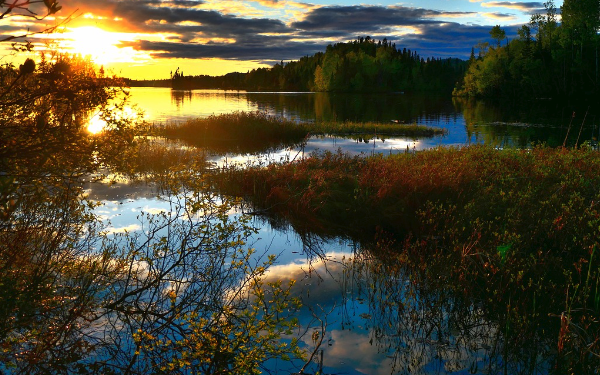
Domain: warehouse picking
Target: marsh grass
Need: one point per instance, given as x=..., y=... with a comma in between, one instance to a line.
x=515, y=230
x=257, y=132
x=241, y=132
x=166, y=164
x=389, y=129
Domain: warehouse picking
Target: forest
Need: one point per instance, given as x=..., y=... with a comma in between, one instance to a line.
x=548, y=59
x=363, y=65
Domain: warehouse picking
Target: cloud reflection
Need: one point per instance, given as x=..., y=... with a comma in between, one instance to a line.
x=393, y=326
x=125, y=229
x=353, y=147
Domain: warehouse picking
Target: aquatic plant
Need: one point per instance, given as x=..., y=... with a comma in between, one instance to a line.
x=255, y=132
x=240, y=132
x=374, y=128
x=515, y=229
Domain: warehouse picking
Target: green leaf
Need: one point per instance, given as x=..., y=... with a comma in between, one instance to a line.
x=502, y=250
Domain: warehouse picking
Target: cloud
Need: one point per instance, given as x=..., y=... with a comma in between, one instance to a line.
x=457, y=39
x=367, y=19
x=259, y=48
x=531, y=7
x=125, y=229
x=500, y=16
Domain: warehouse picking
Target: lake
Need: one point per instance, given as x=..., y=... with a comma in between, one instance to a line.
x=378, y=320
x=467, y=121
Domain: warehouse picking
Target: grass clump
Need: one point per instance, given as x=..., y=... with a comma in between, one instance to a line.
x=241, y=132
x=158, y=161
x=389, y=129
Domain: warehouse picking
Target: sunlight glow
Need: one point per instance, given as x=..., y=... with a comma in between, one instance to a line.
x=101, y=46
x=96, y=123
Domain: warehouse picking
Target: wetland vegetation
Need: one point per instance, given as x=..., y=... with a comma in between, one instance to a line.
x=256, y=132
x=515, y=232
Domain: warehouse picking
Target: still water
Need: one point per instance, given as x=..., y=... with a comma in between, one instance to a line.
x=378, y=319
x=466, y=121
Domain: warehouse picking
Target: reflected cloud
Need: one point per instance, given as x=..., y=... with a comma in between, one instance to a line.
x=117, y=191
x=333, y=144
x=390, y=322
x=126, y=229
x=150, y=210
x=318, y=280
x=347, y=344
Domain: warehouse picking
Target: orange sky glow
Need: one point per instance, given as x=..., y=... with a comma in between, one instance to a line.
x=148, y=39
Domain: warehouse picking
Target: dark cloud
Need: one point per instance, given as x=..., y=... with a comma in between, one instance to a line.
x=529, y=8
x=515, y=5
x=435, y=37
x=456, y=39
x=213, y=23
x=257, y=49
x=367, y=18
x=180, y=16
x=502, y=15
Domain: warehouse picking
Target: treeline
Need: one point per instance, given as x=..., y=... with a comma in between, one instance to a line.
x=364, y=65
x=548, y=59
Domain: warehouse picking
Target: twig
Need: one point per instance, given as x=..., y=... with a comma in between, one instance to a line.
x=568, y=130
x=320, y=340
x=581, y=128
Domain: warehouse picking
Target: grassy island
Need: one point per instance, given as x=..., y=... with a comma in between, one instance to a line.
x=252, y=132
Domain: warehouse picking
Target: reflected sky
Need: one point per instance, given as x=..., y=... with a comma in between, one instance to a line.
x=163, y=105
x=379, y=316
x=466, y=122
x=420, y=336
x=320, y=144
x=335, y=283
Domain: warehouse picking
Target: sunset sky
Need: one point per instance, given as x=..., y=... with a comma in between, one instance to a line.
x=150, y=38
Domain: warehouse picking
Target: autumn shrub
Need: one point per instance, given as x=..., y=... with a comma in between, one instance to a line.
x=517, y=230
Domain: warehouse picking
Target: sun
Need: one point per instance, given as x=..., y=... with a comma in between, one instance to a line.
x=103, y=47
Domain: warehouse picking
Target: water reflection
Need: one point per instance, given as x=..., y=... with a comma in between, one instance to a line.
x=400, y=319
x=319, y=144
x=530, y=123
x=380, y=317
x=467, y=121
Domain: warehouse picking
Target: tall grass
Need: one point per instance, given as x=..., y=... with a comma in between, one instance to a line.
x=516, y=230
x=389, y=129
x=242, y=132
x=255, y=132
x=166, y=164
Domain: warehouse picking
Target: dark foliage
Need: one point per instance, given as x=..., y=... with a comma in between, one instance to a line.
x=364, y=65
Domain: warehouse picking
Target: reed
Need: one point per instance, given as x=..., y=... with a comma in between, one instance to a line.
x=255, y=132
x=504, y=226
x=378, y=128
x=243, y=132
